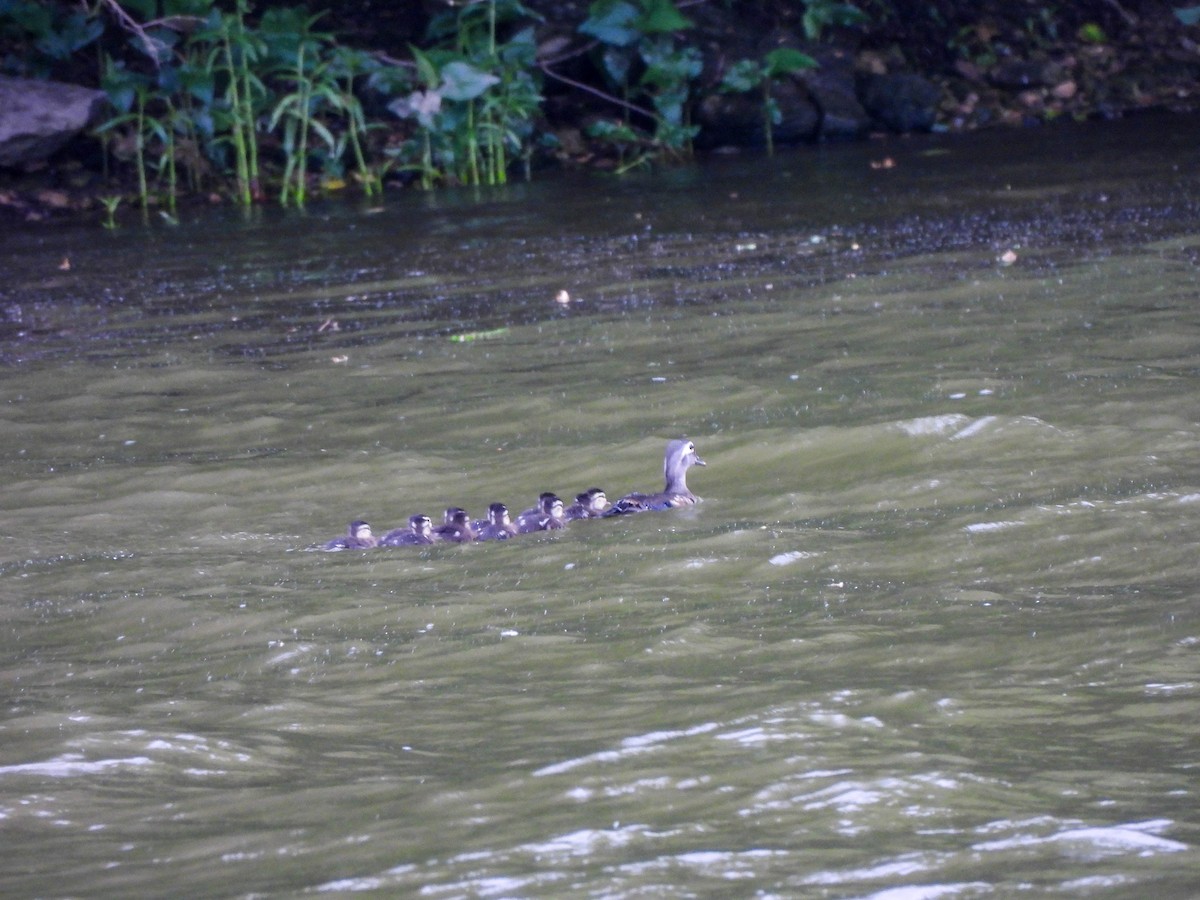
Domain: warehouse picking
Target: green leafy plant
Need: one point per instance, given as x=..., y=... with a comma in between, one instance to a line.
x=298, y=51
x=639, y=52
x=633, y=151
x=424, y=106
x=670, y=71
x=110, y=204
x=822, y=14
x=155, y=109
x=476, y=97
x=234, y=54
x=52, y=34
x=345, y=66
x=191, y=98
x=445, y=113
x=206, y=90
x=748, y=74
x=508, y=110
x=128, y=92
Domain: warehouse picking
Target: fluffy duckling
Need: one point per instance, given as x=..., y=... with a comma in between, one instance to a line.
x=419, y=531
x=357, y=537
x=546, y=516
x=679, y=457
x=591, y=504
x=536, y=510
x=456, y=527
x=499, y=527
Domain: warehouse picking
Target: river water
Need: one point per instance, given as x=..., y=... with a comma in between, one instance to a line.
x=932, y=633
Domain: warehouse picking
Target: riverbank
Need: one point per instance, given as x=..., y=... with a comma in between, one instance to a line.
x=942, y=66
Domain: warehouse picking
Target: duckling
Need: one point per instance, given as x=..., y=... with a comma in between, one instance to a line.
x=588, y=505
x=457, y=527
x=419, y=531
x=535, y=512
x=680, y=455
x=548, y=516
x=498, y=527
x=357, y=537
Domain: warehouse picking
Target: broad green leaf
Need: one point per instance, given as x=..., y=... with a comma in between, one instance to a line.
x=520, y=50
x=612, y=131
x=320, y=130
x=617, y=61
x=426, y=70
x=661, y=16
x=785, y=60
x=744, y=75
x=612, y=22
x=818, y=14
x=667, y=66
x=1188, y=15
x=462, y=81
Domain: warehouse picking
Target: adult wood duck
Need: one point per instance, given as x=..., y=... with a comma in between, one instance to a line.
x=591, y=504
x=357, y=537
x=456, y=527
x=546, y=516
x=419, y=531
x=498, y=527
x=679, y=457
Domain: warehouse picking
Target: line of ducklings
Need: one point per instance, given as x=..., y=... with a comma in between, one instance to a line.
x=549, y=514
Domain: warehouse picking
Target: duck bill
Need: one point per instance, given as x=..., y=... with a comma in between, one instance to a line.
x=699, y=462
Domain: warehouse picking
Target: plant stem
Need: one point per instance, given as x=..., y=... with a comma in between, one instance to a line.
x=768, y=125
x=237, y=130
x=472, y=145
x=169, y=150
x=305, y=84
x=140, y=148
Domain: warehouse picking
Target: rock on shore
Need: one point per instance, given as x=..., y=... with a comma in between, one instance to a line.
x=39, y=117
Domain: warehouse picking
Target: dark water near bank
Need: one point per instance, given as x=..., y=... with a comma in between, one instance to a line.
x=932, y=632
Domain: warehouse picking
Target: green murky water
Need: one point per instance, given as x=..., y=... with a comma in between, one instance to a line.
x=932, y=632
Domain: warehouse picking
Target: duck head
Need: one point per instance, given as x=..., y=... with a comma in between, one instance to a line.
x=594, y=500
x=680, y=456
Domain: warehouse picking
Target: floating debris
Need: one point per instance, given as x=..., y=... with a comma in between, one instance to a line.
x=469, y=336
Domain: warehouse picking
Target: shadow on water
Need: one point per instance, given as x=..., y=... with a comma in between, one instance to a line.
x=932, y=631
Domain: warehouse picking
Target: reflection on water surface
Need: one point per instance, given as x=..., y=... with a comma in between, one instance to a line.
x=931, y=631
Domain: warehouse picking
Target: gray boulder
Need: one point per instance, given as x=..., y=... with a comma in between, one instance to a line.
x=901, y=102
x=38, y=117
x=833, y=89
